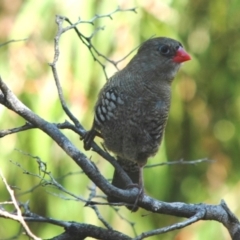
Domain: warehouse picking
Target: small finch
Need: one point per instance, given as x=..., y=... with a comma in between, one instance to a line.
x=133, y=106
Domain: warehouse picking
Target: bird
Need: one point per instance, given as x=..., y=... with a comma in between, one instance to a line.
x=132, y=108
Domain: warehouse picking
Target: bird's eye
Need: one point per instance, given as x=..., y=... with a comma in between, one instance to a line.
x=164, y=49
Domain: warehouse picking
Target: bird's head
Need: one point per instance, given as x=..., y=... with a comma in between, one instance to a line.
x=164, y=48
x=161, y=55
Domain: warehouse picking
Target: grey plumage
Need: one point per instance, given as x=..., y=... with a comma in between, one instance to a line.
x=132, y=108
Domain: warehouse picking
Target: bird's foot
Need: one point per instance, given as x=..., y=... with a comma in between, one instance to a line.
x=89, y=137
x=139, y=196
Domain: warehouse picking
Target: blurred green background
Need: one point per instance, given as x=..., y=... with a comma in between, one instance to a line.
x=204, y=120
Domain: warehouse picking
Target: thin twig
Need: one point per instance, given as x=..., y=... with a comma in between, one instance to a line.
x=198, y=216
x=181, y=161
x=25, y=127
x=44, y=182
x=95, y=209
x=13, y=40
x=87, y=40
x=19, y=216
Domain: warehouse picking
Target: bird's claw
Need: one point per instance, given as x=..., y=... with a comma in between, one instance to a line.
x=139, y=196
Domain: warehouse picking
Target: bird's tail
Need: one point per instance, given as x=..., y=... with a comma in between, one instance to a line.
x=132, y=169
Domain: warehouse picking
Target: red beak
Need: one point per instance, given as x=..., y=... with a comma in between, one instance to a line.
x=181, y=56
